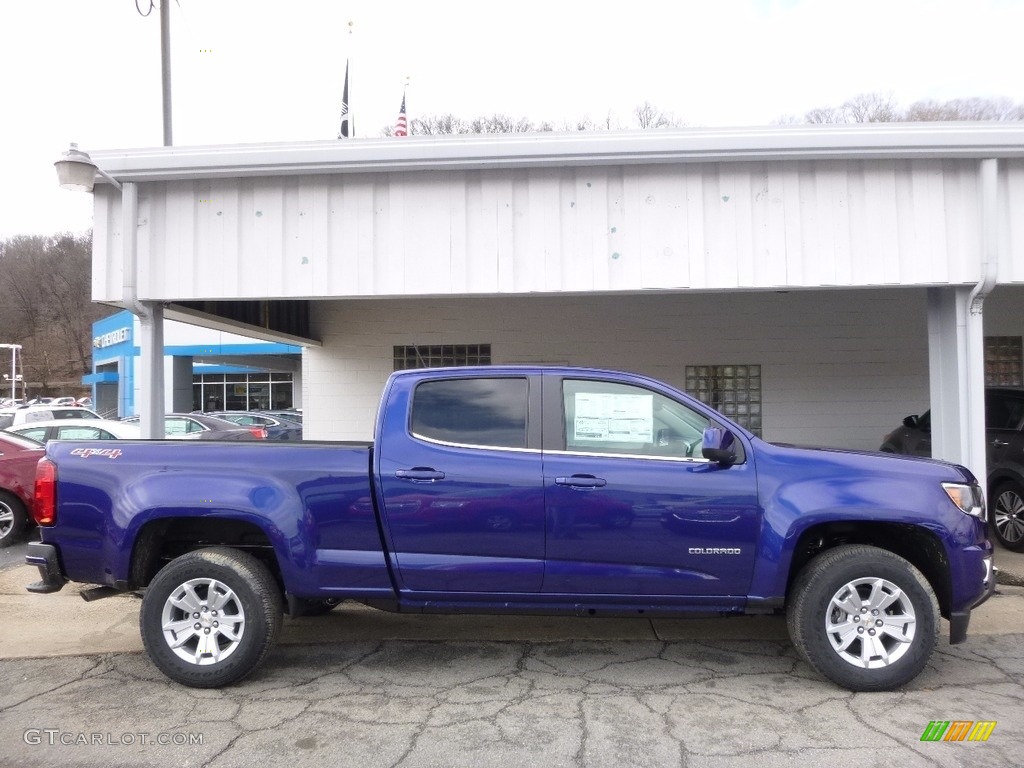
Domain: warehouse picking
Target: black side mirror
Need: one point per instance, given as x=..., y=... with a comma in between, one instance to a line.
x=911, y=422
x=719, y=446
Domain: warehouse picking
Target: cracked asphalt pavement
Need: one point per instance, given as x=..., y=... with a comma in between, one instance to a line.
x=362, y=688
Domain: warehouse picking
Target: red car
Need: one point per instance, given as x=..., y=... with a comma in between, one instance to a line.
x=18, y=459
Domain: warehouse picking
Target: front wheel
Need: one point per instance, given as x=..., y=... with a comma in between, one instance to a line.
x=863, y=617
x=210, y=617
x=1006, y=515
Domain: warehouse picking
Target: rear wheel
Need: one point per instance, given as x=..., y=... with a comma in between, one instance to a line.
x=13, y=518
x=863, y=617
x=1006, y=515
x=210, y=617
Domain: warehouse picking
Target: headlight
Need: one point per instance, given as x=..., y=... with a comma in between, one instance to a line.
x=968, y=498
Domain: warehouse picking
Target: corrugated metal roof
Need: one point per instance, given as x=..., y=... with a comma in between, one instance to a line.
x=759, y=209
x=414, y=153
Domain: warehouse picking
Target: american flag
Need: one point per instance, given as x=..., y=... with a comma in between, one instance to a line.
x=401, y=127
x=345, y=129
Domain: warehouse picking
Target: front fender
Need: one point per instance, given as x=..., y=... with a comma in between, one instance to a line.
x=851, y=497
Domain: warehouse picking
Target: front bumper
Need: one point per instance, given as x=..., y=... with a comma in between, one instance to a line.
x=959, y=620
x=44, y=557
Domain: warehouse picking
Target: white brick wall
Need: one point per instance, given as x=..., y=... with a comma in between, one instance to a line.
x=839, y=368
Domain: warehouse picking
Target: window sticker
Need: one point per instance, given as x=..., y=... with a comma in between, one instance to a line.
x=614, y=418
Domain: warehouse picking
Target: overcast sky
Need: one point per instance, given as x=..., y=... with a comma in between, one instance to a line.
x=265, y=71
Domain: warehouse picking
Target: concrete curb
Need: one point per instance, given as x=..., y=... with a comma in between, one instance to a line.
x=1011, y=567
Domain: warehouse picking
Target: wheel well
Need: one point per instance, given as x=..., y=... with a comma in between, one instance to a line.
x=1000, y=477
x=160, y=541
x=913, y=543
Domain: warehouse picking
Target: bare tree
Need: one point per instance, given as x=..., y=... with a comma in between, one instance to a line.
x=501, y=124
x=965, y=109
x=880, y=108
x=438, y=125
x=585, y=123
x=649, y=116
x=45, y=286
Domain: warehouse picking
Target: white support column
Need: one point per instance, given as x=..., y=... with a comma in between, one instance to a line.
x=180, y=400
x=151, y=321
x=957, y=370
x=956, y=346
x=151, y=359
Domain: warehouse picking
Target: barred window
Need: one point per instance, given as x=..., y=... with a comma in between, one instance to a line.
x=1004, y=361
x=441, y=356
x=733, y=390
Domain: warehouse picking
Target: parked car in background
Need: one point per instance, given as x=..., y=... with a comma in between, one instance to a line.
x=77, y=429
x=195, y=426
x=10, y=417
x=1004, y=437
x=290, y=415
x=18, y=459
x=278, y=427
x=63, y=401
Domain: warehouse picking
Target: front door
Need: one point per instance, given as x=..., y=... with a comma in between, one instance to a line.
x=633, y=508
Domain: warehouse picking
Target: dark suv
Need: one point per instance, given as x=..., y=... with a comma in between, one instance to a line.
x=1004, y=435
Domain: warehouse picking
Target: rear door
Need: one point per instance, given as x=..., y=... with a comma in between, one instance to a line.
x=632, y=506
x=459, y=472
x=1004, y=417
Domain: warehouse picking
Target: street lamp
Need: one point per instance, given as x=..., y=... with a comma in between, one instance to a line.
x=15, y=348
x=77, y=172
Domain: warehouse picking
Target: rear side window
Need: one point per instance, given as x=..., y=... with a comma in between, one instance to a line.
x=84, y=433
x=478, y=411
x=38, y=434
x=1003, y=411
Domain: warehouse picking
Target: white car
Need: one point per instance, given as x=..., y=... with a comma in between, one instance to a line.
x=13, y=417
x=77, y=429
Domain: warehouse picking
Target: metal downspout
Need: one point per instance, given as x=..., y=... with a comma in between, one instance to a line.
x=989, y=236
x=975, y=374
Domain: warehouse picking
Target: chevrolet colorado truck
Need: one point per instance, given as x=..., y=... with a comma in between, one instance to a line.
x=534, y=490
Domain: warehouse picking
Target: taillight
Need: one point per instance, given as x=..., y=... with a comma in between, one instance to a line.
x=44, y=511
x=258, y=432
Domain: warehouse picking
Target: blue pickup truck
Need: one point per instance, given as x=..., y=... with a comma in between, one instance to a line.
x=520, y=490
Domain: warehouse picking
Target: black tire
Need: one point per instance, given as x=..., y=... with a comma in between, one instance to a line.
x=1006, y=515
x=866, y=577
x=13, y=519
x=243, y=627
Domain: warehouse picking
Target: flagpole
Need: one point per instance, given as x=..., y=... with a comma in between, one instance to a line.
x=346, y=128
x=402, y=125
x=344, y=125
x=351, y=117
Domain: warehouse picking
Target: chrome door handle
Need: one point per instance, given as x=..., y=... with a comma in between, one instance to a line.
x=420, y=474
x=582, y=481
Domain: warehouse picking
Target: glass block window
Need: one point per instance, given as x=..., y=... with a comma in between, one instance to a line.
x=441, y=356
x=734, y=390
x=1004, y=361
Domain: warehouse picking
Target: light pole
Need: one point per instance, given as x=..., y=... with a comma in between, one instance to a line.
x=15, y=349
